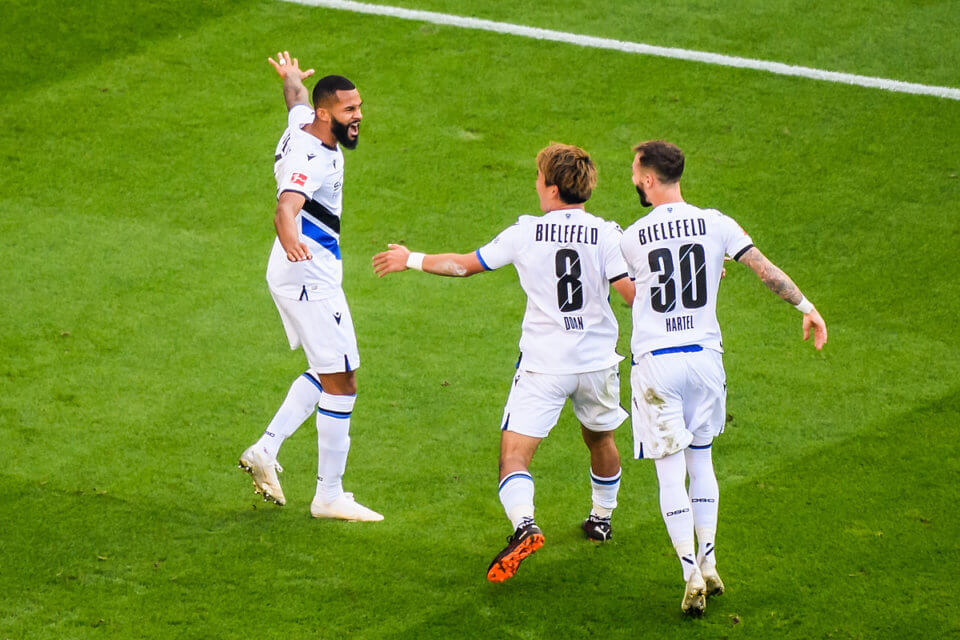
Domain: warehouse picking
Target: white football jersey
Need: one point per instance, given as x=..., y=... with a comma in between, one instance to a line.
x=304, y=164
x=566, y=260
x=675, y=256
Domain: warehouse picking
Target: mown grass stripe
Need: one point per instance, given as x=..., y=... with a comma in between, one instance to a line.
x=595, y=42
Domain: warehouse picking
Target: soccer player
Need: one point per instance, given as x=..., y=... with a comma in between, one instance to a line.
x=304, y=274
x=566, y=260
x=675, y=255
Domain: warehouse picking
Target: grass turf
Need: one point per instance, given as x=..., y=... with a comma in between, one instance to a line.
x=141, y=351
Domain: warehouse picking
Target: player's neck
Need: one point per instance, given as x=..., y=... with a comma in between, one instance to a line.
x=558, y=205
x=324, y=133
x=668, y=195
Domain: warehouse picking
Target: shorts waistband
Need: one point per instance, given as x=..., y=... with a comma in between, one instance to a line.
x=687, y=348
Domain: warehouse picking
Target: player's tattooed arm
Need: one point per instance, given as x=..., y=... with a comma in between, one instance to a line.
x=288, y=68
x=457, y=265
x=781, y=284
x=771, y=275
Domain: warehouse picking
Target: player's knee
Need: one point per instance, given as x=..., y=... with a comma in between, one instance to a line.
x=339, y=384
x=350, y=386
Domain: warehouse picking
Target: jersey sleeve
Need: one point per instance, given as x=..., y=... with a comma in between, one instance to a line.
x=294, y=174
x=735, y=239
x=502, y=250
x=299, y=115
x=614, y=266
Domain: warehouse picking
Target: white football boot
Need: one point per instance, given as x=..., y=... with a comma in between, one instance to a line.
x=263, y=470
x=694, y=595
x=343, y=508
x=712, y=579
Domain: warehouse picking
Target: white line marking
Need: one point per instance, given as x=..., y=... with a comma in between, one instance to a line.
x=635, y=47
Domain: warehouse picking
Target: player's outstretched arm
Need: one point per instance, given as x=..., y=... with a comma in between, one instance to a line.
x=288, y=68
x=781, y=284
x=398, y=258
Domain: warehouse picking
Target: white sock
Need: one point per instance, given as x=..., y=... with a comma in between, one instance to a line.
x=333, y=444
x=302, y=398
x=516, y=495
x=676, y=509
x=705, y=498
x=604, y=493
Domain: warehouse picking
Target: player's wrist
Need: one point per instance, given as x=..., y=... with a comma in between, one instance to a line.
x=415, y=260
x=804, y=306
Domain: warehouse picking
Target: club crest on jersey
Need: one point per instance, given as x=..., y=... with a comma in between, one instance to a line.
x=298, y=178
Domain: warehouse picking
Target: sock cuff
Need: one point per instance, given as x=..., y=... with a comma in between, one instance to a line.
x=614, y=479
x=514, y=476
x=336, y=406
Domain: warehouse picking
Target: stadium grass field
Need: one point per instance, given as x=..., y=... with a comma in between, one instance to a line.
x=141, y=351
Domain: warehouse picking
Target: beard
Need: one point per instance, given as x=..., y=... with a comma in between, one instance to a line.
x=342, y=134
x=643, y=198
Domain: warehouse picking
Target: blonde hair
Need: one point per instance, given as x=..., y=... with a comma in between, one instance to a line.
x=570, y=169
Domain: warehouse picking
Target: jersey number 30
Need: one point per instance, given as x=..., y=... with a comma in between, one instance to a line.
x=693, y=278
x=569, y=287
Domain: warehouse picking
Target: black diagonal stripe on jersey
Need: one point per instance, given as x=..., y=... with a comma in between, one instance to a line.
x=322, y=214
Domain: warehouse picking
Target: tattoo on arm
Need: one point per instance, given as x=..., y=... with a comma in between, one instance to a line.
x=772, y=276
x=294, y=92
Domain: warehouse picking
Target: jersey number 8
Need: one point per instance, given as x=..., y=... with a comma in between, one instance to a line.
x=569, y=287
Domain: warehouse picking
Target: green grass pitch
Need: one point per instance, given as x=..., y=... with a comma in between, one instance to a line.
x=140, y=351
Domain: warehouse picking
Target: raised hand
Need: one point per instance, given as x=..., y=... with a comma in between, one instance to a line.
x=286, y=65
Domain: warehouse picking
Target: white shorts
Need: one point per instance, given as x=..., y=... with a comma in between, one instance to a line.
x=678, y=399
x=324, y=328
x=536, y=400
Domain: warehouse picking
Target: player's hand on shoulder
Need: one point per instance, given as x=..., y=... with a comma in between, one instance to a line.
x=813, y=321
x=298, y=252
x=392, y=260
x=286, y=65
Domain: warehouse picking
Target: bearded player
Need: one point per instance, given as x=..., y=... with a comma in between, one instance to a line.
x=304, y=274
x=567, y=260
x=675, y=254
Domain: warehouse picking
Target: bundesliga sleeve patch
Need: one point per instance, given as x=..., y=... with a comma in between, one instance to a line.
x=298, y=178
